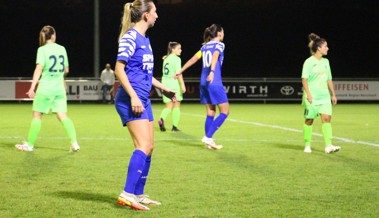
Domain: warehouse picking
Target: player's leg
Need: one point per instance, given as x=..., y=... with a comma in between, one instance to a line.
x=165, y=112
x=210, y=109
x=59, y=106
x=140, y=186
x=140, y=133
x=310, y=113
x=41, y=104
x=327, y=131
x=175, y=116
x=218, y=97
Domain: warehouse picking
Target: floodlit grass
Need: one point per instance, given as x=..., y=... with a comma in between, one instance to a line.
x=262, y=170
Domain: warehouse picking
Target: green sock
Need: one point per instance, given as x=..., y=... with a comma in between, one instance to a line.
x=166, y=111
x=327, y=132
x=35, y=127
x=70, y=129
x=175, y=116
x=308, y=134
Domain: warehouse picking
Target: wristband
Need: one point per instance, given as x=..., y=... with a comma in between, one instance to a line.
x=212, y=71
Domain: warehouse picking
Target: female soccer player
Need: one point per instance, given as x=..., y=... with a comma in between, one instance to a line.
x=51, y=66
x=172, y=64
x=318, y=87
x=134, y=68
x=212, y=90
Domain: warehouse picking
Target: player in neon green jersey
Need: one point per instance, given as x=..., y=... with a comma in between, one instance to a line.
x=51, y=67
x=318, y=95
x=172, y=64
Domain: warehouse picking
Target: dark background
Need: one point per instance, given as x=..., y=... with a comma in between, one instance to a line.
x=263, y=38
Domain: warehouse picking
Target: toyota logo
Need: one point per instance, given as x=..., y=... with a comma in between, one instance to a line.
x=287, y=90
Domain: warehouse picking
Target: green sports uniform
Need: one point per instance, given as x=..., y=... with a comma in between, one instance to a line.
x=51, y=93
x=318, y=73
x=172, y=64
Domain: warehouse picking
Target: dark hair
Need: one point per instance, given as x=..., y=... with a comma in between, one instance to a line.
x=211, y=32
x=133, y=13
x=45, y=34
x=315, y=42
x=170, y=47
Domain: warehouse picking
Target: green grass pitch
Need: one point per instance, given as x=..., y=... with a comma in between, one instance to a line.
x=262, y=170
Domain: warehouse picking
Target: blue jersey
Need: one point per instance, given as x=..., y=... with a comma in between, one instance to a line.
x=207, y=52
x=136, y=51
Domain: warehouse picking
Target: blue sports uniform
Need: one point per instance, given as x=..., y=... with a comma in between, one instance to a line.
x=135, y=50
x=212, y=93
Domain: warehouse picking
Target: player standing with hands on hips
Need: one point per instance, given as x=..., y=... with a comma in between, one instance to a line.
x=212, y=91
x=134, y=68
x=51, y=67
x=318, y=94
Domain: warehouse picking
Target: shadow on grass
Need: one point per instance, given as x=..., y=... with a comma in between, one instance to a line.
x=87, y=196
x=183, y=139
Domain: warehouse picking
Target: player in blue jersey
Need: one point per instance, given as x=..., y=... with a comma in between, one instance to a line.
x=134, y=69
x=212, y=91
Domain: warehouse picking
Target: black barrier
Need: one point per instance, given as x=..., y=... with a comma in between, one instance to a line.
x=245, y=91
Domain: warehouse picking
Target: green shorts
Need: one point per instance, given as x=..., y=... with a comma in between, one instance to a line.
x=43, y=103
x=312, y=111
x=174, y=86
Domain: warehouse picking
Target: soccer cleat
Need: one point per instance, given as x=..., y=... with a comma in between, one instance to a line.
x=74, y=147
x=144, y=199
x=161, y=125
x=308, y=149
x=24, y=147
x=210, y=143
x=331, y=148
x=126, y=199
x=175, y=129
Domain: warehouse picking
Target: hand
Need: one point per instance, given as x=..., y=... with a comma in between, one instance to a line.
x=210, y=77
x=137, y=106
x=169, y=94
x=31, y=93
x=309, y=98
x=175, y=76
x=184, y=89
x=334, y=100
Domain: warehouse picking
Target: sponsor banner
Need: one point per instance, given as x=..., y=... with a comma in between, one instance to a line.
x=357, y=90
x=7, y=90
x=237, y=90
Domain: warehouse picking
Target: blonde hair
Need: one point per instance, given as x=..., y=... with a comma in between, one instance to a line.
x=45, y=34
x=133, y=14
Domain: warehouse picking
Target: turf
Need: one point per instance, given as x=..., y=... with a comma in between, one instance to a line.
x=262, y=170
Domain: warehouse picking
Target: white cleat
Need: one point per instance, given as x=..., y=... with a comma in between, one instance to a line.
x=24, y=147
x=307, y=149
x=331, y=148
x=74, y=147
x=210, y=144
x=130, y=200
x=144, y=199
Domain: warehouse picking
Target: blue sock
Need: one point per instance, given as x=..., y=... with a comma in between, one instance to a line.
x=140, y=186
x=135, y=169
x=216, y=124
x=208, y=123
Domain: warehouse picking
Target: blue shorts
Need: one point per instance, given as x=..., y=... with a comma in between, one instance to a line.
x=124, y=110
x=213, y=95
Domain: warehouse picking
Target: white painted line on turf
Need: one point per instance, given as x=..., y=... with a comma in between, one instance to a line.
x=292, y=130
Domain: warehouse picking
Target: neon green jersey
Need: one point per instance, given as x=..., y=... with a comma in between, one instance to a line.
x=171, y=65
x=318, y=73
x=53, y=58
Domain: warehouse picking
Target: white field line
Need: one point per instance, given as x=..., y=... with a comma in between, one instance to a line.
x=291, y=130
